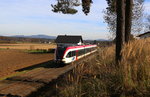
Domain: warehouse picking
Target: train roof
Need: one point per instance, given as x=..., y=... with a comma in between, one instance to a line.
x=82, y=46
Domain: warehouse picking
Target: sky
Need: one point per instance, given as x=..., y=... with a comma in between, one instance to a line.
x=32, y=17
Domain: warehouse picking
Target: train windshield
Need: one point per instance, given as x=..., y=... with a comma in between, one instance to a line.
x=60, y=52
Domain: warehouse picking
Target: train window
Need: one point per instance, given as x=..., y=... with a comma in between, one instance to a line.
x=81, y=52
x=85, y=50
x=68, y=55
x=71, y=54
x=88, y=50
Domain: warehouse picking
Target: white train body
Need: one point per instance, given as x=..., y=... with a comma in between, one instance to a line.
x=72, y=53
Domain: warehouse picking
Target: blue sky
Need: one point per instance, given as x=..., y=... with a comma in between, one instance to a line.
x=31, y=17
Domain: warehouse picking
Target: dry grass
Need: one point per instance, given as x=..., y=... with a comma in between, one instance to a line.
x=135, y=66
x=101, y=78
x=27, y=46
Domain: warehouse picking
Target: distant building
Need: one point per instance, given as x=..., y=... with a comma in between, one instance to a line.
x=144, y=35
x=68, y=40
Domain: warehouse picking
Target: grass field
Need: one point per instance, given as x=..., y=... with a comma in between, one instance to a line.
x=11, y=60
x=21, y=55
x=102, y=78
x=27, y=46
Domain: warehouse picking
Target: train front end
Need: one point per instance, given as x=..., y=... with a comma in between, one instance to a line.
x=59, y=54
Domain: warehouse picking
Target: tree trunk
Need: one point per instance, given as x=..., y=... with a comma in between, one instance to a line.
x=128, y=19
x=120, y=29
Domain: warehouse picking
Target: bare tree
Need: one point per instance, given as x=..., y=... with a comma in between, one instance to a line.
x=137, y=16
x=110, y=17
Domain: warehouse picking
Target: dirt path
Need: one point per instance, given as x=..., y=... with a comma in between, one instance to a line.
x=11, y=60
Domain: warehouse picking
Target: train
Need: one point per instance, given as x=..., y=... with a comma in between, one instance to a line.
x=70, y=54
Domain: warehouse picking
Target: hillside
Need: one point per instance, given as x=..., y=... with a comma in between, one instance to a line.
x=4, y=39
x=41, y=36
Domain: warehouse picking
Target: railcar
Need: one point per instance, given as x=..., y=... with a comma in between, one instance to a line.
x=72, y=53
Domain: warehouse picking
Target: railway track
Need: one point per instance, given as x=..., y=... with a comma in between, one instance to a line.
x=31, y=82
